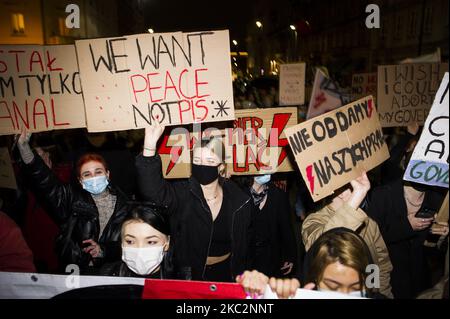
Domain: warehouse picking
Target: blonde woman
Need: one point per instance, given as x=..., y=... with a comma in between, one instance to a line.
x=210, y=216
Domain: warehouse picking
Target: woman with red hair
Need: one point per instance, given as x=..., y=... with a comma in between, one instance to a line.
x=89, y=214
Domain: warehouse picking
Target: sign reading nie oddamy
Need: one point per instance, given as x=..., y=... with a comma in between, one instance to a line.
x=406, y=92
x=40, y=88
x=172, y=78
x=255, y=143
x=334, y=148
x=429, y=161
x=364, y=84
x=292, y=84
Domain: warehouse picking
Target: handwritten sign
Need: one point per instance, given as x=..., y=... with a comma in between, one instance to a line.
x=172, y=78
x=40, y=88
x=406, y=92
x=334, y=148
x=7, y=177
x=255, y=143
x=364, y=84
x=429, y=161
x=325, y=96
x=292, y=84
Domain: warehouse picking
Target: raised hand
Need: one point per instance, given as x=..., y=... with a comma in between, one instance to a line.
x=152, y=135
x=361, y=186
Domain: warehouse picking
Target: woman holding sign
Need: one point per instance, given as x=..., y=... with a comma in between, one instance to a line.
x=89, y=214
x=210, y=216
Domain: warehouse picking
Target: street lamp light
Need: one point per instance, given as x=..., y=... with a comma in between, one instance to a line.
x=292, y=27
x=235, y=42
x=259, y=24
x=151, y=30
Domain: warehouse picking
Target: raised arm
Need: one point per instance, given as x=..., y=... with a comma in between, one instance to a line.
x=152, y=185
x=57, y=195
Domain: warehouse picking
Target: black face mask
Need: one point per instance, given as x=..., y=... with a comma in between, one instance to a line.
x=205, y=174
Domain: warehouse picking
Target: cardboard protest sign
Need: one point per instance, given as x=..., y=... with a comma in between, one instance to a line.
x=173, y=78
x=255, y=143
x=7, y=177
x=334, y=148
x=325, y=96
x=429, y=161
x=292, y=84
x=364, y=84
x=406, y=92
x=40, y=88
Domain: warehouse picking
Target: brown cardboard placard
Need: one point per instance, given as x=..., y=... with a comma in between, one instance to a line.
x=40, y=88
x=335, y=147
x=292, y=84
x=364, y=84
x=173, y=78
x=406, y=92
x=256, y=149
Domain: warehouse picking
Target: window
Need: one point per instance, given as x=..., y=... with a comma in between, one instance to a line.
x=18, y=23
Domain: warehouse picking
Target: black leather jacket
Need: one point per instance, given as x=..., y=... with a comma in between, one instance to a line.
x=74, y=210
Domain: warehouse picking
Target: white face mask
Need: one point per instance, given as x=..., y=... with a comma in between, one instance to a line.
x=360, y=294
x=143, y=261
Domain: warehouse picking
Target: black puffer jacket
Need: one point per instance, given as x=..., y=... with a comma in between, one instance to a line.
x=191, y=221
x=74, y=210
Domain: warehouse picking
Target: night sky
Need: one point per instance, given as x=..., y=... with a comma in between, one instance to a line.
x=200, y=15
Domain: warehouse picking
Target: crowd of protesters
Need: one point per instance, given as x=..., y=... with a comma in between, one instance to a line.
x=100, y=201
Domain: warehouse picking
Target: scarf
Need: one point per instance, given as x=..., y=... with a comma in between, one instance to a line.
x=259, y=197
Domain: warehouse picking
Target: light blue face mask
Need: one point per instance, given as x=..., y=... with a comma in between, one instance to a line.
x=95, y=185
x=262, y=179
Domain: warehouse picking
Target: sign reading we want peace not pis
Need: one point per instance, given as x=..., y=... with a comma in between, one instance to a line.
x=173, y=78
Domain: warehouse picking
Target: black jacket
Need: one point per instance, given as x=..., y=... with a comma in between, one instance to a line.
x=388, y=208
x=274, y=235
x=191, y=219
x=74, y=210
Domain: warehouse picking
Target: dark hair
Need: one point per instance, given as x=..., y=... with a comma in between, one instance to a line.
x=150, y=214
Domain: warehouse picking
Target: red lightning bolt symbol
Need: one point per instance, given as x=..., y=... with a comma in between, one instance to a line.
x=309, y=175
x=320, y=98
x=370, y=107
x=279, y=123
x=174, y=151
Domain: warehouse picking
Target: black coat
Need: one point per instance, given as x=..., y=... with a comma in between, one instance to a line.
x=191, y=219
x=387, y=206
x=74, y=210
x=274, y=235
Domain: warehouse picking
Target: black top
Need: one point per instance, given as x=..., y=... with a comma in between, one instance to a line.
x=190, y=218
x=221, y=237
x=387, y=207
x=274, y=234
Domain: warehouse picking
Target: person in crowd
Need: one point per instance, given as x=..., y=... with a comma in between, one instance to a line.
x=274, y=237
x=145, y=237
x=394, y=207
x=210, y=215
x=344, y=211
x=337, y=261
x=89, y=214
x=39, y=230
x=15, y=256
x=394, y=167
